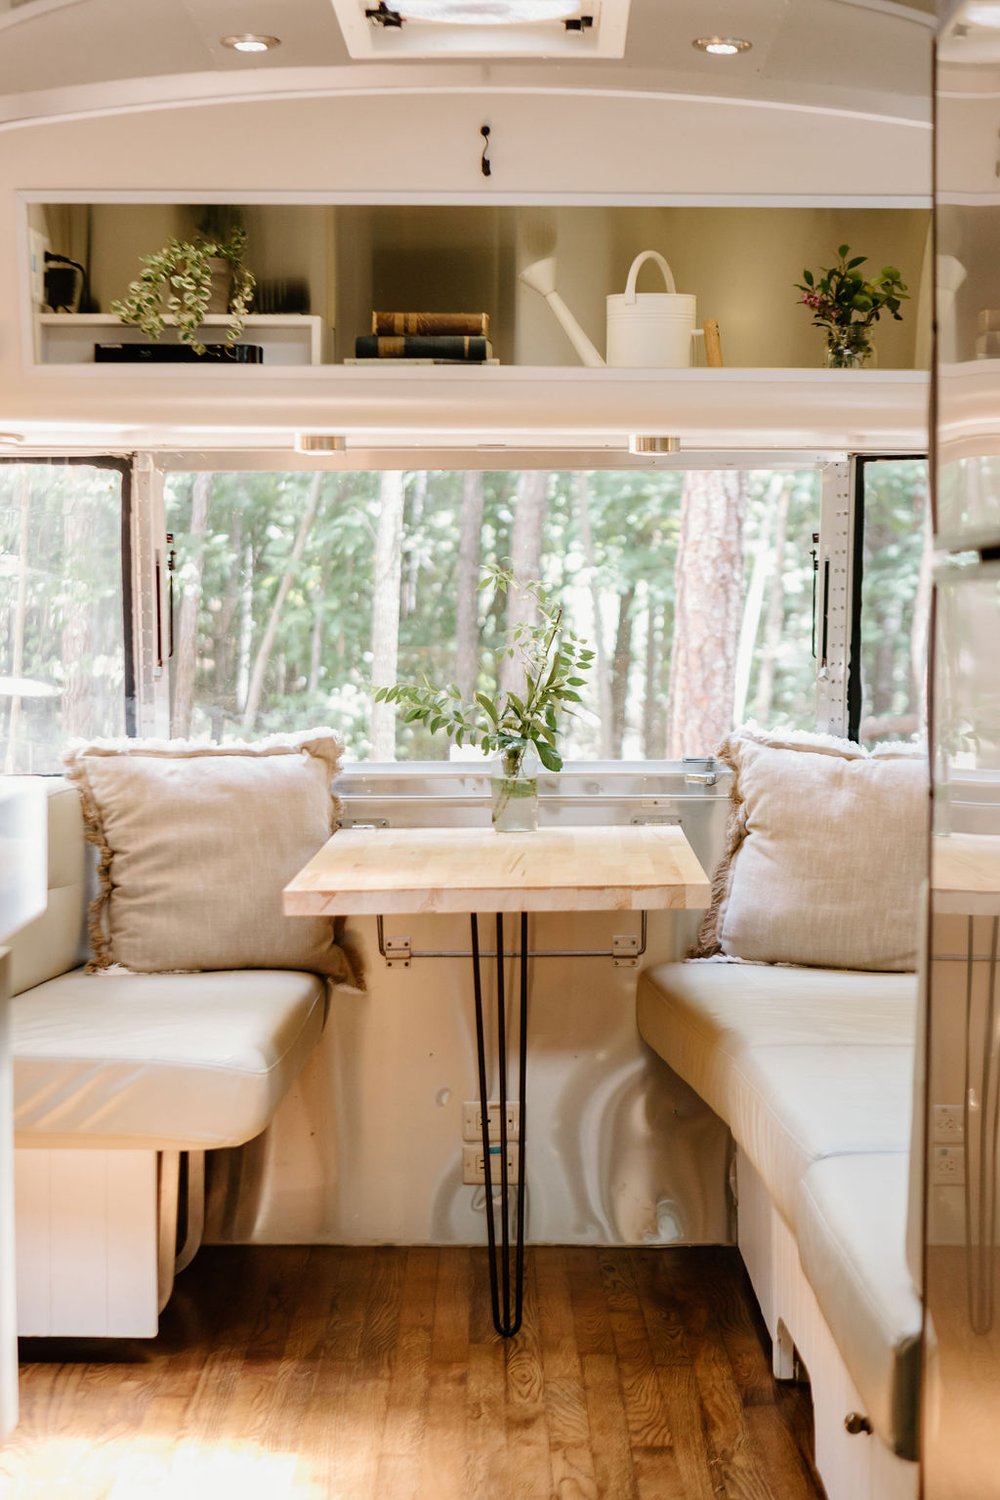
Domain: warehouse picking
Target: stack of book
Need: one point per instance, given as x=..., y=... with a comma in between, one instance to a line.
x=426, y=338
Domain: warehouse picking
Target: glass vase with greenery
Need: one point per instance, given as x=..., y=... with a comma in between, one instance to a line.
x=519, y=725
x=846, y=305
x=176, y=282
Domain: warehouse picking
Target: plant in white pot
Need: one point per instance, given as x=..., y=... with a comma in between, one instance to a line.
x=519, y=726
x=179, y=281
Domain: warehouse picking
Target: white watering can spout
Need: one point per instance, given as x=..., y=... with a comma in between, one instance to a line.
x=541, y=277
x=645, y=330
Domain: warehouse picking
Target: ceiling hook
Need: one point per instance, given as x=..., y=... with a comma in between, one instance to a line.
x=486, y=164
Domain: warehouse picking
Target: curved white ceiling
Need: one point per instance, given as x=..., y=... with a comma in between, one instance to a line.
x=59, y=56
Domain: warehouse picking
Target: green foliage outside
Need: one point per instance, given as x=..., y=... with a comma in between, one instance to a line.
x=895, y=600
x=60, y=609
x=320, y=667
x=61, y=602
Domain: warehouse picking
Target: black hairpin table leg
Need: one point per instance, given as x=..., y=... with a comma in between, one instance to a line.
x=506, y=1313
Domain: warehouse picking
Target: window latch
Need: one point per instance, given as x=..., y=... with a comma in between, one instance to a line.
x=699, y=770
x=171, y=570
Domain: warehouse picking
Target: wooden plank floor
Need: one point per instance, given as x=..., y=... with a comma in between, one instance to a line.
x=348, y=1374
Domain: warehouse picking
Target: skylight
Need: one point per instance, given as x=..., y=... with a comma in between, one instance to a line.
x=485, y=12
x=442, y=29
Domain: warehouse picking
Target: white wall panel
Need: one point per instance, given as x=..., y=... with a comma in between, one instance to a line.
x=368, y=1148
x=86, y=1225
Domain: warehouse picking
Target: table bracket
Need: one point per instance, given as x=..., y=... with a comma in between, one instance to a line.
x=396, y=951
x=626, y=949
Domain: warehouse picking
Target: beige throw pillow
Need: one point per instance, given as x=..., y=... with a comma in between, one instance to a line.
x=196, y=844
x=826, y=852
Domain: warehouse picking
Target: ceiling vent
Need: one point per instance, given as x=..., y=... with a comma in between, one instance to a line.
x=380, y=30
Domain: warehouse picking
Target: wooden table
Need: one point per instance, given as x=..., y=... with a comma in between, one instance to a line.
x=965, y=874
x=373, y=873
x=361, y=873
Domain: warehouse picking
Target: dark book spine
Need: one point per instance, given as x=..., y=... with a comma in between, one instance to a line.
x=422, y=346
x=398, y=323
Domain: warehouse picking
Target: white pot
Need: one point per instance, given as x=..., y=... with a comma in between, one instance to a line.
x=650, y=330
x=222, y=285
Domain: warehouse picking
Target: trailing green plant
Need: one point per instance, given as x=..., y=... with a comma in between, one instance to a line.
x=551, y=661
x=845, y=304
x=176, y=282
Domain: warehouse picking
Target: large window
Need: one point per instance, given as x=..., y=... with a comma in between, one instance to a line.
x=62, y=626
x=296, y=592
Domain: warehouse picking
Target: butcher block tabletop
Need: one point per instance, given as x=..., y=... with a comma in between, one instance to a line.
x=965, y=874
x=394, y=870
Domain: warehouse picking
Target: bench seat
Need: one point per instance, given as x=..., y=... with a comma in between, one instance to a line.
x=800, y=1063
x=812, y=1069
x=159, y=1061
x=849, y=1220
x=122, y=1083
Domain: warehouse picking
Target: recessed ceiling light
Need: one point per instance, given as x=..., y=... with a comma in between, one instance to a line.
x=485, y=12
x=249, y=42
x=721, y=46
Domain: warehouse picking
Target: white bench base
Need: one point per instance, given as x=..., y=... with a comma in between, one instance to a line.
x=851, y=1467
x=87, y=1242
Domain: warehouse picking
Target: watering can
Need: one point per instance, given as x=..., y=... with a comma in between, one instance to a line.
x=646, y=330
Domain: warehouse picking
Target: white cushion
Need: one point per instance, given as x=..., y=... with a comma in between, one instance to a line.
x=801, y=1063
x=792, y=1106
x=826, y=851
x=196, y=843
x=159, y=1061
x=701, y=1015
x=850, y=1217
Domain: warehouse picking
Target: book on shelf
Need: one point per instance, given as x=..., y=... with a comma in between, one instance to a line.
x=423, y=346
x=177, y=354
x=398, y=363
x=432, y=322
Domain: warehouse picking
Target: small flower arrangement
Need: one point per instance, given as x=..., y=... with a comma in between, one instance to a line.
x=846, y=305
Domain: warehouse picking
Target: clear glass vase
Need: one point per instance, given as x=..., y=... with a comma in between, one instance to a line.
x=849, y=349
x=515, y=803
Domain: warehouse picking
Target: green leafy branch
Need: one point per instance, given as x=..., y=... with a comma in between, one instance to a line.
x=840, y=297
x=552, y=662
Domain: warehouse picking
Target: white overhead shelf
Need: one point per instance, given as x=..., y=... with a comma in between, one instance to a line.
x=257, y=407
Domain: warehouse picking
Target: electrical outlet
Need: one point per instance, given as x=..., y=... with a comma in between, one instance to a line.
x=472, y=1129
x=947, y=1124
x=947, y=1166
x=474, y=1171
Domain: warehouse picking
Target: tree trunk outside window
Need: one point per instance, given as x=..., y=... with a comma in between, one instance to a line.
x=385, y=609
x=526, y=561
x=708, y=612
x=467, y=584
x=186, y=646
